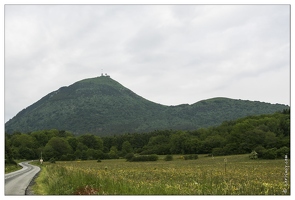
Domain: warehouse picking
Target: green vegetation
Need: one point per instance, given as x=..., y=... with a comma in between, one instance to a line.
x=11, y=167
x=121, y=126
x=201, y=161
x=143, y=158
x=203, y=176
x=190, y=157
x=102, y=106
x=10, y=164
x=168, y=158
x=267, y=135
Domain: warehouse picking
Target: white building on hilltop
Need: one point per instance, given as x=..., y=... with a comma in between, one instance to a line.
x=106, y=75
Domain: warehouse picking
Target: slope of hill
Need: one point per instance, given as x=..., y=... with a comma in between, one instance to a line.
x=103, y=106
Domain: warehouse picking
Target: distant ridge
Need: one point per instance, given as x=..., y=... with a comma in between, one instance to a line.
x=102, y=106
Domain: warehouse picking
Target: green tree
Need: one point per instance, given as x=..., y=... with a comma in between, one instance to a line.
x=253, y=138
x=231, y=148
x=48, y=153
x=270, y=140
x=178, y=142
x=40, y=137
x=126, y=148
x=78, y=154
x=26, y=153
x=213, y=141
x=281, y=152
x=91, y=154
x=260, y=151
x=51, y=133
x=73, y=142
x=56, y=147
x=91, y=141
x=24, y=140
x=218, y=151
x=159, y=144
x=113, y=152
x=194, y=144
x=23, y=146
x=84, y=155
x=8, y=152
x=63, y=133
x=270, y=154
x=81, y=147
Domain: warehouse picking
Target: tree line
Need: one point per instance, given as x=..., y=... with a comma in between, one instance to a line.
x=268, y=135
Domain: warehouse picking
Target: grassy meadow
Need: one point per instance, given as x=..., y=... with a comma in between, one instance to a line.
x=224, y=175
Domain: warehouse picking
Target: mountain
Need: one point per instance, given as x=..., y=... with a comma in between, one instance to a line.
x=103, y=106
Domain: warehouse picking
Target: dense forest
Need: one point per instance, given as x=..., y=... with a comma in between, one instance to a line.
x=268, y=135
x=102, y=106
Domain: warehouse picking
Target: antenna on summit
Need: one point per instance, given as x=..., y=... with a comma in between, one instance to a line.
x=105, y=75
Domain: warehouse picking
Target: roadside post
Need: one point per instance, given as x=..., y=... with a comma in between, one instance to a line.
x=41, y=160
x=225, y=162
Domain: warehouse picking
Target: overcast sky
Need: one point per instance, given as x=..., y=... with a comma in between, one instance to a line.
x=169, y=54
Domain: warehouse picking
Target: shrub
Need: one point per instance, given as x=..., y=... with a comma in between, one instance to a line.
x=99, y=154
x=218, y=152
x=129, y=156
x=113, y=155
x=253, y=155
x=63, y=158
x=71, y=157
x=168, y=158
x=98, y=160
x=105, y=156
x=142, y=158
x=190, y=157
x=260, y=150
x=10, y=161
x=67, y=157
x=52, y=160
x=281, y=152
x=84, y=155
x=270, y=153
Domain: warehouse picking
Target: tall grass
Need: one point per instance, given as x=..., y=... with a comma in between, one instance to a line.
x=11, y=168
x=203, y=176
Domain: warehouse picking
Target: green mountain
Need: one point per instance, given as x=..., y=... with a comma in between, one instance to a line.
x=103, y=106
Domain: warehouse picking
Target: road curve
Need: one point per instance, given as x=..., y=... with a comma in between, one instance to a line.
x=17, y=182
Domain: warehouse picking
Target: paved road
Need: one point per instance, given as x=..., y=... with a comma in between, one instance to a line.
x=17, y=182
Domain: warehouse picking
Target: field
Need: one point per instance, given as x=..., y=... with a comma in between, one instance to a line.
x=224, y=175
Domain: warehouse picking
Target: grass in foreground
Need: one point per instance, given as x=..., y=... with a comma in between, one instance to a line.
x=204, y=176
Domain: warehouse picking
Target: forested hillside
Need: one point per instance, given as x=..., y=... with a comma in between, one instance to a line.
x=102, y=106
x=268, y=135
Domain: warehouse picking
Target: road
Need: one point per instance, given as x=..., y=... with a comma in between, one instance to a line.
x=17, y=182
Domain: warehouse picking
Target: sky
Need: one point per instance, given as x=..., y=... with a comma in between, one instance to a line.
x=168, y=54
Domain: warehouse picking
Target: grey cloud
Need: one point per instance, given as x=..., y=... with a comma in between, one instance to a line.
x=170, y=54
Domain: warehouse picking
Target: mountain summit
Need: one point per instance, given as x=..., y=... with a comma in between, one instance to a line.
x=103, y=106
